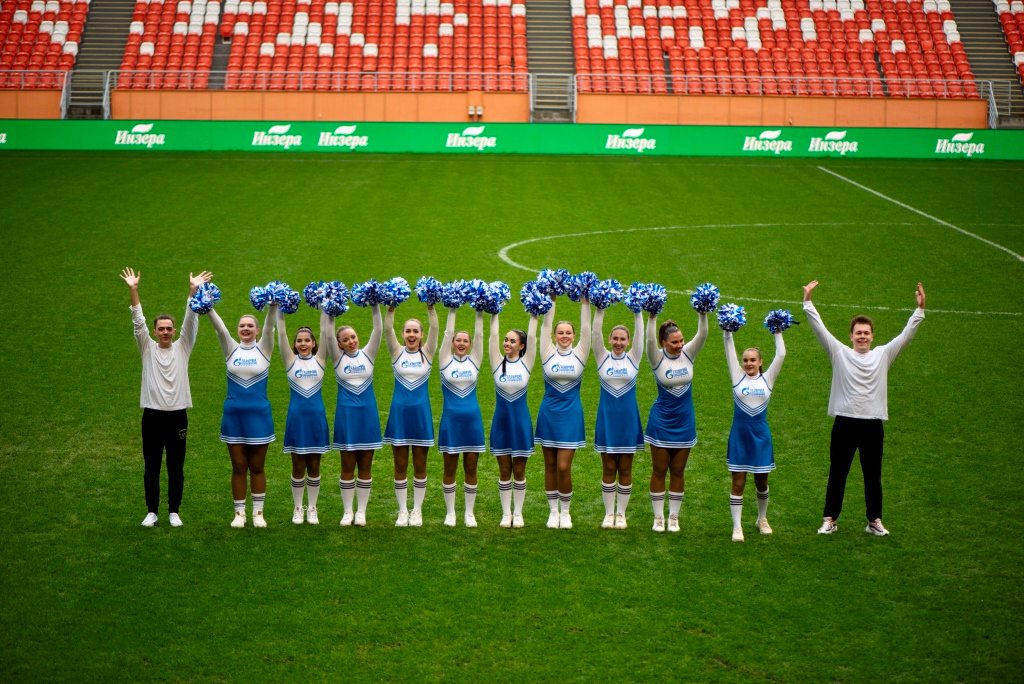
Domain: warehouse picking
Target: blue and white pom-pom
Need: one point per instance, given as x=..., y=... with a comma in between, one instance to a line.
x=604, y=293
x=534, y=299
x=779, y=320
x=395, y=291
x=576, y=286
x=335, y=299
x=657, y=295
x=636, y=296
x=206, y=295
x=314, y=293
x=259, y=297
x=475, y=294
x=283, y=295
x=455, y=293
x=553, y=281
x=366, y=294
x=428, y=290
x=731, y=317
x=705, y=298
x=496, y=297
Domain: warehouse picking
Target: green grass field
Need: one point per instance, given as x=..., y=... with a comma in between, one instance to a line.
x=92, y=596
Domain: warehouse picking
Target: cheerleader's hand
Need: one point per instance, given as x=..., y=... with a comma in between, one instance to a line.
x=809, y=288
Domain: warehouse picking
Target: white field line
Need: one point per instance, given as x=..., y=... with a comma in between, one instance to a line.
x=917, y=211
x=503, y=254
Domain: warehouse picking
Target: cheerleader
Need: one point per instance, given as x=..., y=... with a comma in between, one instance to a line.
x=461, y=429
x=306, y=436
x=410, y=424
x=560, y=430
x=671, y=429
x=511, y=432
x=618, y=433
x=248, y=425
x=750, y=440
x=356, y=419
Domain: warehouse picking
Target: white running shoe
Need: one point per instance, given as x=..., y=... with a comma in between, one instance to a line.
x=506, y=521
x=763, y=527
x=449, y=520
x=737, y=534
x=553, y=520
x=673, y=523
x=175, y=520
x=311, y=516
x=346, y=520
x=258, y=520
x=470, y=520
x=150, y=520
x=565, y=521
x=620, y=521
x=517, y=520
x=297, y=516
x=415, y=518
x=659, y=524
x=403, y=519
x=239, y=519
x=876, y=528
x=828, y=526
x=360, y=520
x=608, y=522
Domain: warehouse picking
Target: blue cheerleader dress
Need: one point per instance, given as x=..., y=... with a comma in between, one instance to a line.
x=462, y=426
x=560, y=417
x=356, y=419
x=511, y=428
x=410, y=422
x=247, y=417
x=618, y=429
x=305, y=430
x=671, y=423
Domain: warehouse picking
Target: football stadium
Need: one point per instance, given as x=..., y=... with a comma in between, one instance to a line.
x=505, y=152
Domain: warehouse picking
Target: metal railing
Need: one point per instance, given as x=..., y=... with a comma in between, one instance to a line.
x=39, y=79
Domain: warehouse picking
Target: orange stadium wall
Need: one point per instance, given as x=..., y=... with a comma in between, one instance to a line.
x=683, y=110
x=241, y=105
x=30, y=104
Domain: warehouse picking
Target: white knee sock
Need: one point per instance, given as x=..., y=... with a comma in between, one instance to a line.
x=762, y=504
x=419, y=491
x=658, y=504
x=312, y=490
x=401, y=495
x=565, y=499
x=608, y=497
x=622, y=497
x=298, y=490
x=552, y=495
x=449, y=497
x=736, y=508
x=505, y=494
x=363, y=488
x=470, y=493
x=257, y=502
x=675, y=502
x=348, y=488
x=518, y=495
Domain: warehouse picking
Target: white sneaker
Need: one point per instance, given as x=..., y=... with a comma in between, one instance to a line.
x=517, y=520
x=346, y=520
x=876, y=528
x=449, y=520
x=737, y=534
x=506, y=521
x=608, y=522
x=360, y=520
x=763, y=527
x=565, y=521
x=553, y=520
x=150, y=520
x=311, y=516
x=415, y=518
x=258, y=520
x=175, y=520
x=828, y=526
x=673, y=523
x=659, y=524
x=620, y=521
x=470, y=520
x=297, y=516
x=403, y=519
x=239, y=519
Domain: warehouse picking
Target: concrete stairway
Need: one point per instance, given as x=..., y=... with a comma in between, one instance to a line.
x=990, y=58
x=549, y=45
x=100, y=50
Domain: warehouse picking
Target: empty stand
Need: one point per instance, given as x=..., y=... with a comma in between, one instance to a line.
x=1011, y=18
x=39, y=41
x=170, y=44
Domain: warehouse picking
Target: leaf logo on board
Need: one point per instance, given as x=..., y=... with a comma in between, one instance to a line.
x=962, y=137
x=142, y=128
x=344, y=137
x=140, y=135
x=473, y=130
x=767, y=141
x=472, y=137
x=632, y=133
x=631, y=140
x=277, y=136
x=770, y=135
x=280, y=129
x=959, y=144
x=834, y=141
x=835, y=135
x=345, y=130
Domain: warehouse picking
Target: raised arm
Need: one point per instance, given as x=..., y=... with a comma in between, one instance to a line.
x=444, y=355
x=227, y=343
x=693, y=347
x=394, y=346
x=494, y=342
x=476, y=350
x=653, y=350
x=636, y=351
x=531, y=349
x=190, y=322
x=896, y=345
x=378, y=327
x=328, y=338
x=597, y=337
x=544, y=343
x=431, y=346
x=141, y=329
x=287, y=355
x=827, y=340
x=582, y=349
x=131, y=278
x=772, y=374
x=731, y=361
x=266, y=341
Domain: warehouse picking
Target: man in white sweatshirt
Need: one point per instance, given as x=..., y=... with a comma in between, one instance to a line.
x=165, y=396
x=858, y=401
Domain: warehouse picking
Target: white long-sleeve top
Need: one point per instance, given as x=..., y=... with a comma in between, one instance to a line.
x=165, y=371
x=564, y=369
x=752, y=393
x=617, y=374
x=354, y=371
x=675, y=373
x=860, y=382
x=247, y=364
x=461, y=373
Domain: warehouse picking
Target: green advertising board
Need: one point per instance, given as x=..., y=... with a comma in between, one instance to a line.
x=486, y=138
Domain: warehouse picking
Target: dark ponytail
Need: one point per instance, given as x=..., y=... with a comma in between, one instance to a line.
x=521, y=334
x=666, y=329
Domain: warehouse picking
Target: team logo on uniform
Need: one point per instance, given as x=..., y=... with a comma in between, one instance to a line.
x=140, y=135
x=767, y=141
x=959, y=143
x=343, y=136
x=471, y=137
x=834, y=141
x=276, y=136
x=630, y=139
